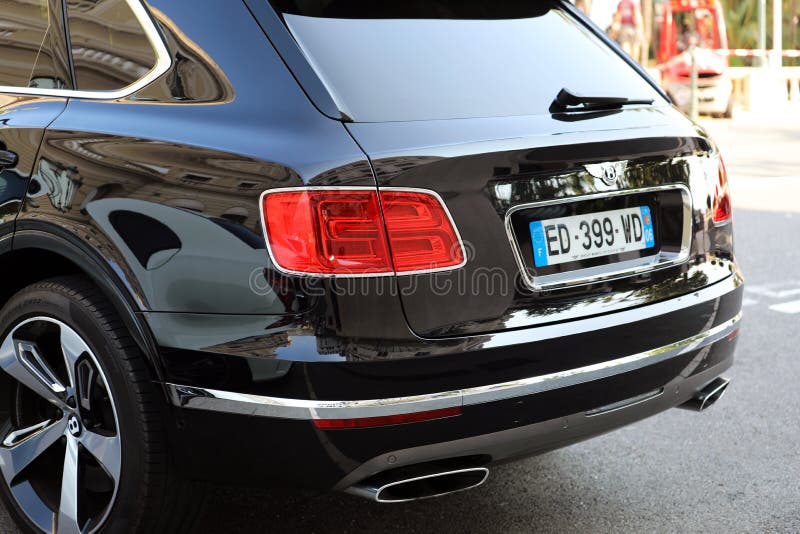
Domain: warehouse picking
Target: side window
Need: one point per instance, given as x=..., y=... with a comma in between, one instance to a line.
x=31, y=45
x=110, y=50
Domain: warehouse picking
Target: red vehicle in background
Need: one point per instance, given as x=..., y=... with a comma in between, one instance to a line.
x=698, y=23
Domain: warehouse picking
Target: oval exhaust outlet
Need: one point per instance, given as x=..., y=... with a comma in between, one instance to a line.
x=708, y=396
x=423, y=487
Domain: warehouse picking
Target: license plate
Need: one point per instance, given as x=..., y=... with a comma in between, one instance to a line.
x=593, y=235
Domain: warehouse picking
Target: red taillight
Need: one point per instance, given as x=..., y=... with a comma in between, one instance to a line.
x=421, y=234
x=326, y=232
x=733, y=335
x=341, y=232
x=722, y=196
x=386, y=420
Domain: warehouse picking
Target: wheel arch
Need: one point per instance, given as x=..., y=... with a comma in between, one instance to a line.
x=41, y=251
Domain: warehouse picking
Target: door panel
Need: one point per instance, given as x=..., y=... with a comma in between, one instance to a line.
x=32, y=54
x=22, y=123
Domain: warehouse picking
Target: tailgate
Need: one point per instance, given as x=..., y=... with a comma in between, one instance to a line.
x=502, y=177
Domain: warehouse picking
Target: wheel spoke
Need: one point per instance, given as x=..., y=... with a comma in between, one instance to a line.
x=106, y=450
x=23, y=362
x=68, y=507
x=73, y=347
x=31, y=357
x=27, y=445
x=85, y=376
x=15, y=436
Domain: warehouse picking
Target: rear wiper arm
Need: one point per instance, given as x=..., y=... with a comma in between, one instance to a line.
x=567, y=100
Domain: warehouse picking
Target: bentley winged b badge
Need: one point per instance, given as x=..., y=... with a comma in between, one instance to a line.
x=609, y=172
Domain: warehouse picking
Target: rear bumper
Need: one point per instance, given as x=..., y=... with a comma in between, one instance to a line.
x=308, y=410
x=711, y=97
x=539, y=438
x=271, y=440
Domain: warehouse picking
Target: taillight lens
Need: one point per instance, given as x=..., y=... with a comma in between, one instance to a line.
x=326, y=232
x=421, y=234
x=341, y=232
x=722, y=196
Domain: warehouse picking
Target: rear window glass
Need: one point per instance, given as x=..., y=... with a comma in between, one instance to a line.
x=110, y=49
x=447, y=59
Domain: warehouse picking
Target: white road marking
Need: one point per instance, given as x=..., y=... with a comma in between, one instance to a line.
x=749, y=302
x=774, y=294
x=768, y=180
x=787, y=307
x=776, y=290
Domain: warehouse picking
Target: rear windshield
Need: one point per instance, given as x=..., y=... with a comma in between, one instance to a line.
x=390, y=60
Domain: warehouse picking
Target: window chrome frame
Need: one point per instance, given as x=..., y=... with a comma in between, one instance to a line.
x=162, y=65
x=611, y=271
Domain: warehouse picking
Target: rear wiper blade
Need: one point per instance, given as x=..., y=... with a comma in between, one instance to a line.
x=567, y=100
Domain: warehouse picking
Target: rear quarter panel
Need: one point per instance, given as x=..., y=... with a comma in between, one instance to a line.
x=193, y=151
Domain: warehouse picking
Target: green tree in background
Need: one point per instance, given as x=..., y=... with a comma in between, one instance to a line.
x=741, y=17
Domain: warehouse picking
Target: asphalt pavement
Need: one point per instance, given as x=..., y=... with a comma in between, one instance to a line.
x=733, y=468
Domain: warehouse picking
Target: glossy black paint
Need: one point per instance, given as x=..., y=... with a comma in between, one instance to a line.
x=46, y=251
x=155, y=196
x=438, y=365
x=335, y=453
x=196, y=147
x=540, y=159
x=22, y=123
x=279, y=36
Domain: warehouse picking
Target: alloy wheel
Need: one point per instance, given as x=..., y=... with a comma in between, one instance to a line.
x=60, y=450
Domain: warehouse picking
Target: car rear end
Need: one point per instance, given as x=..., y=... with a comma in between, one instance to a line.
x=696, y=34
x=714, y=84
x=520, y=275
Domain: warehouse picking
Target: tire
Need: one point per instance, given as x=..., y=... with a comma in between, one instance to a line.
x=110, y=420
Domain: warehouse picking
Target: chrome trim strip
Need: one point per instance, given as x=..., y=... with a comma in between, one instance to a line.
x=365, y=189
x=605, y=272
x=242, y=403
x=625, y=403
x=163, y=63
x=245, y=404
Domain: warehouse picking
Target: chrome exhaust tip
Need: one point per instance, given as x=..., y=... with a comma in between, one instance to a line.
x=382, y=490
x=709, y=395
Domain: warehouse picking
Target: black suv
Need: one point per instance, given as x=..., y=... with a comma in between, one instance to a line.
x=374, y=247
